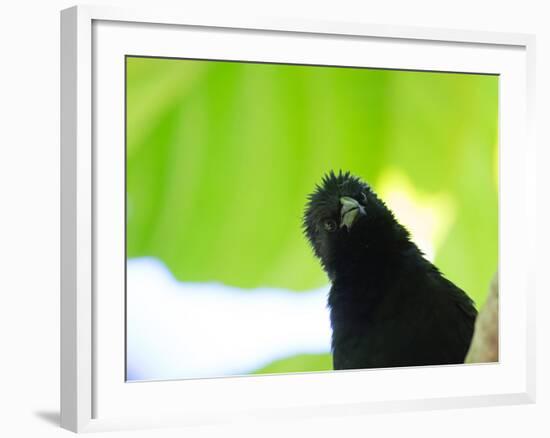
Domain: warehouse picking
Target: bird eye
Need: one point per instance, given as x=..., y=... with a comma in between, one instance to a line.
x=364, y=197
x=330, y=225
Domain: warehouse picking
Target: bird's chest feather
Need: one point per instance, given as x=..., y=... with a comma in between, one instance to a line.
x=375, y=316
x=364, y=294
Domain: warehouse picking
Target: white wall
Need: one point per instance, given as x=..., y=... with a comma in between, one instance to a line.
x=29, y=219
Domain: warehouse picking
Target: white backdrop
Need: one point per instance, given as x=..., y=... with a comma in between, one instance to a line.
x=29, y=219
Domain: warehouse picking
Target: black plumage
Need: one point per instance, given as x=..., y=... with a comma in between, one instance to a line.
x=389, y=306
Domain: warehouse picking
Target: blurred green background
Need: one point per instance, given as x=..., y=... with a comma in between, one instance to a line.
x=221, y=156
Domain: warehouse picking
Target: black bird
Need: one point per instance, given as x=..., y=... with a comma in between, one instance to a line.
x=389, y=306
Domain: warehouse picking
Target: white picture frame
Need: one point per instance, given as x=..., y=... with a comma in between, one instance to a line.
x=94, y=396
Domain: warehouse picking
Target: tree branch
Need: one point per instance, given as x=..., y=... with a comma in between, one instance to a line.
x=484, y=346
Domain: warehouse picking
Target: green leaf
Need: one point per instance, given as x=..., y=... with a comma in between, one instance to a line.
x=221, y=157
x=298, y=363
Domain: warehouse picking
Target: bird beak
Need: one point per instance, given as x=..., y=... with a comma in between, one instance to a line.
x=351, y=209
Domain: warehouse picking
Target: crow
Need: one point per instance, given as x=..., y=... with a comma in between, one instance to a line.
x=389, y=306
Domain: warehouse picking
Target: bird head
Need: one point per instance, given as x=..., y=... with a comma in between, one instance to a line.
x=343, y=217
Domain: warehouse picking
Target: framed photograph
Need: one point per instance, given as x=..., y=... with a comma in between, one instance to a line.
x=280, y=219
